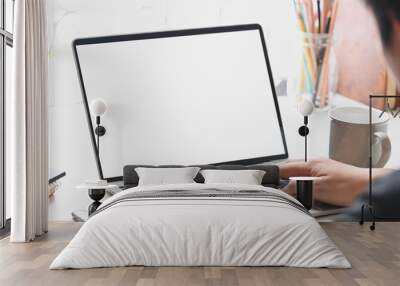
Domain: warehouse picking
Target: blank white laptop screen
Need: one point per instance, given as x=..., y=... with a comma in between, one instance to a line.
x=190, y=97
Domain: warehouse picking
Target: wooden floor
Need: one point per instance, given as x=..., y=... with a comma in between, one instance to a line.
x=375, y=257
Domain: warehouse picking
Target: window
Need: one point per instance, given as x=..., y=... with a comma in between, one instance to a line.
x=6, y=43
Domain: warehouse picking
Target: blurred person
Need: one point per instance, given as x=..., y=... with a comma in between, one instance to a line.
x=340, y=184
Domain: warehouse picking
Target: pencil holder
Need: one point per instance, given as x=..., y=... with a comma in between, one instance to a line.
x=316, y=76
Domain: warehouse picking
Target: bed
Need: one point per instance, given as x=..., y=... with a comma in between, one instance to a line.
x=201, y=224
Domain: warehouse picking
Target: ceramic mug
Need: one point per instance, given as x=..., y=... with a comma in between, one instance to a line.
x=349, y=136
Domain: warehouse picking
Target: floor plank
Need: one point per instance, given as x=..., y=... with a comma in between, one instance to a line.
x=375, y=257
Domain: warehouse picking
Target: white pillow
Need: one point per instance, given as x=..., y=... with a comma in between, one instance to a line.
x=248, y=177
x=165, y=176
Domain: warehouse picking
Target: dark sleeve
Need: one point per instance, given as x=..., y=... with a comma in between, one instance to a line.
x=385, y=198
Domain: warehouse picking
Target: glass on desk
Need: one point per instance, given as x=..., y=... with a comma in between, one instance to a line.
x=315, y=75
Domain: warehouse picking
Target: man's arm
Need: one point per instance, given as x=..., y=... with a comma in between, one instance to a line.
x=339, y=183
x=385, y=198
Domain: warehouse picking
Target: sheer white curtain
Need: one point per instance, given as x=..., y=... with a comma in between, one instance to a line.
x=26, y=119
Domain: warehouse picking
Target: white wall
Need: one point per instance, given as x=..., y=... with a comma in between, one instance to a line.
x=70, y=148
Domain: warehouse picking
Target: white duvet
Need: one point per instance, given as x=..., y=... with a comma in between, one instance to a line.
x=200, y=231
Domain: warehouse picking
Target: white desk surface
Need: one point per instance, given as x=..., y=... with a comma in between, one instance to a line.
x=319, y=124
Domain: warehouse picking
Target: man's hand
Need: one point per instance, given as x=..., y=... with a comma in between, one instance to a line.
x=338, y=183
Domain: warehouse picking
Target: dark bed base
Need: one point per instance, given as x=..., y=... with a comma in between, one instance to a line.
x=271, y=177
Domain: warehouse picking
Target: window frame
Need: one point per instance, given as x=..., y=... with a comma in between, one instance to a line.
x=6, y=39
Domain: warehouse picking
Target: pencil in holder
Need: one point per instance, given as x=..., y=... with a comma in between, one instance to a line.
x=316, y=77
